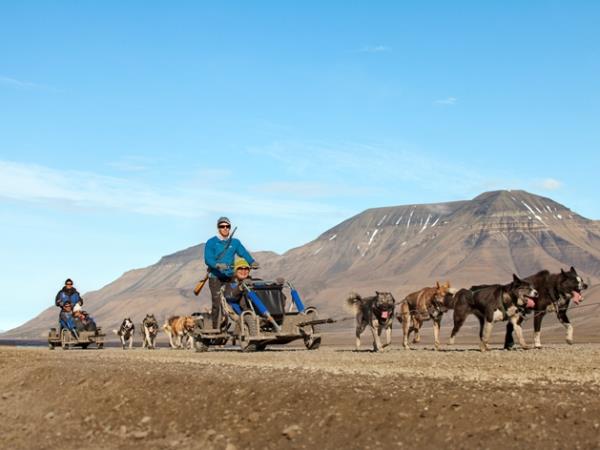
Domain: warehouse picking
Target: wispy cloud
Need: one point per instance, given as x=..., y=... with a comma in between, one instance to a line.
x=21, y=84
x=91, y=191
x=446, y=101
x=550, y=184
x=374, y=49
x=374, y=166
x=134, y=163
x=315, y=189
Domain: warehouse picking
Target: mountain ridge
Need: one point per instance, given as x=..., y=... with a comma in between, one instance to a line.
x=399, y=248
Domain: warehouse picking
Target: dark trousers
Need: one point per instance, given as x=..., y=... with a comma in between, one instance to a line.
x=215, y=292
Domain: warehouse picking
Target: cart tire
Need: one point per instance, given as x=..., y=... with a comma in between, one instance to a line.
x=250, y=329
x=250, y=348
x=84, y=346
x=313, y=344
x=261, y=347
x=200, y=345
x=64, y=341
x=310, y=341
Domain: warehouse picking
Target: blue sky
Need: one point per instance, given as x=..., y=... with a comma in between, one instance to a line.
x=126, y=128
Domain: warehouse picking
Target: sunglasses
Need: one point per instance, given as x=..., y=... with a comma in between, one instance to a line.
x=243, y=268
x=69, y=284
x=224, y=226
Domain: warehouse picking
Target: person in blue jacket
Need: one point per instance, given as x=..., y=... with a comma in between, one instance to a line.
x=219, y=254
x=66, y=299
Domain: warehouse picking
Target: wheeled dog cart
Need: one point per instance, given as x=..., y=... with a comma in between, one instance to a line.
x=67, y=340
x=262, y=320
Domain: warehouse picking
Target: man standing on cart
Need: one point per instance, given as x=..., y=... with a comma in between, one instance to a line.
x=68, y=300
x=219, y=255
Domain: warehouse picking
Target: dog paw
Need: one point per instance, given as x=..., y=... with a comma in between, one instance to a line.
x=570, y=341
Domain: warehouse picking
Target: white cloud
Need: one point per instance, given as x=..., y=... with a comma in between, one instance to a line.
x=371, y=166
x=314, y=189
x=90, y=191
x=133, y=164
x=13, y=82
x=551, y=184
x=447, y=101
x=374, y=49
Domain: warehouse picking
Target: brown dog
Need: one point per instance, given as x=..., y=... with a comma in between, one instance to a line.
x=180, y=328
x=417, y=307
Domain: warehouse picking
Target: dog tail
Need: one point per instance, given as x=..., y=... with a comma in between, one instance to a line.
x=167, y=328
x=401, y=306
x=353, y=299
x=352, y=302
x=115, y=331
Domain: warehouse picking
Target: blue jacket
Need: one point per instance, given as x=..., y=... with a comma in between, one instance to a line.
x=67, y=295
x=214, y=247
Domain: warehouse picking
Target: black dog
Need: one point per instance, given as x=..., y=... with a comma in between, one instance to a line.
x=492, y=303
x=125, y=332
x=376, y=312
x=555, y=291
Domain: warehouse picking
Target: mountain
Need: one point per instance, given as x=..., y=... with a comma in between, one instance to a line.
x=400, y=248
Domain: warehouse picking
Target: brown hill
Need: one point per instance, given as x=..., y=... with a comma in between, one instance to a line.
x=398, y=248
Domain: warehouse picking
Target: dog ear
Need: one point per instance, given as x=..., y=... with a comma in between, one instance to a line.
x=516, y=279
x=562, y=272
x=573, y=269
x=437, y=284
x=447, y=283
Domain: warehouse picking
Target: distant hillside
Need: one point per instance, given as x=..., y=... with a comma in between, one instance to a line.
x=399, y=248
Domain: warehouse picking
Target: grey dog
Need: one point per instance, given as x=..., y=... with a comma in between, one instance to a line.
x=376, y=312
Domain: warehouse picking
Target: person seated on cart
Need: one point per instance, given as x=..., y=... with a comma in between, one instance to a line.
x=239, y=296
x=235, y=290
x=82, y=320
x=67, y=299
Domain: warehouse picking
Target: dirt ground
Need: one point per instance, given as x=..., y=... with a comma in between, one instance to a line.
x=292, y=398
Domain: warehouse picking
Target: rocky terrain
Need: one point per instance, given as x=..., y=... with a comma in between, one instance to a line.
x=400, y=248
x=330, y=398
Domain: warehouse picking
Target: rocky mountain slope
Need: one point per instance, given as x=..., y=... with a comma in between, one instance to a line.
x=399, y=248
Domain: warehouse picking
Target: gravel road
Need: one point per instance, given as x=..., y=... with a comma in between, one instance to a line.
x=291, y=398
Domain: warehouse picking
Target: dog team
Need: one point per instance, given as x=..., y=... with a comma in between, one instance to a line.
x=178, y=328
x=537, y=294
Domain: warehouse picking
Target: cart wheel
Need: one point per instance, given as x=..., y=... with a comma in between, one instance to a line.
x=65, y=339
x=100, y=345
x=250, y=329
x=312, y=344
x=249, y=347
x=201, y=345
x=261, y=347
x=84, y=346
x=310, y=341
